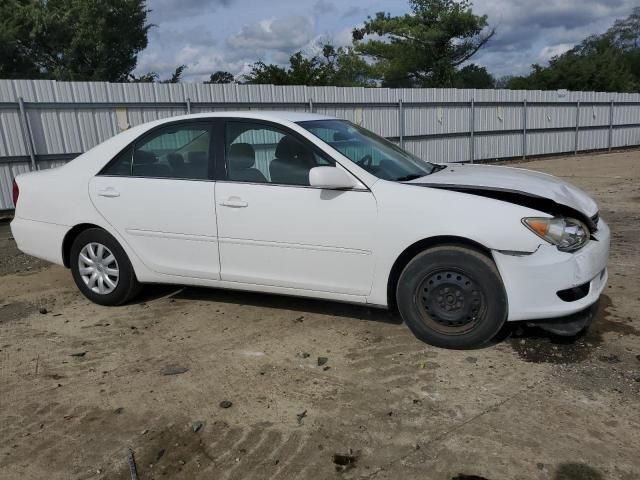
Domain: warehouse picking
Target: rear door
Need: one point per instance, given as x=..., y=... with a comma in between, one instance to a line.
x=277, y=230
x=159, y=196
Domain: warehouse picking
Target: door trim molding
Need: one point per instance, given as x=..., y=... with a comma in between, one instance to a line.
x=171, y=235
x=299, y=246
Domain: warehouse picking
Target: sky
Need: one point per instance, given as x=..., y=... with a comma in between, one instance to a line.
x=210, y=35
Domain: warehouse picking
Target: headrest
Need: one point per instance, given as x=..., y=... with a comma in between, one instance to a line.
x=291, y=149
x=197, y=158
x=340, y=137
x=142, y=157
x=241, y=155
x=175, y=160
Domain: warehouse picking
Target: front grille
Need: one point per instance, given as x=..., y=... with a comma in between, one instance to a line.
x=594, y=221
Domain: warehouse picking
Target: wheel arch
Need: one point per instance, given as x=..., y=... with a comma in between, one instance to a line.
x=420, y=246
x=70, y=236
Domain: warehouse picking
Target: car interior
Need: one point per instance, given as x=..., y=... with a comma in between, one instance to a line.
x=264, y=155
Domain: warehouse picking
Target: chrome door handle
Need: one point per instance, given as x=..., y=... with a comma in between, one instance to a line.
x=234, y=202
x=109, y=192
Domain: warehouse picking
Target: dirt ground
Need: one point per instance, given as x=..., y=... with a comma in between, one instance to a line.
x=80, y=384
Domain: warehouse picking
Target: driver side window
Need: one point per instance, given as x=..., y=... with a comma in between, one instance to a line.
x=258, y=153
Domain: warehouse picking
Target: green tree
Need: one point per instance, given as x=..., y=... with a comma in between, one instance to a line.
x=220, y=77
x=149, y=77
x=15, y=31
x=473, y=76
x=176, y=76
x=346, y=68
x=337, y=67
x=425, y=47
x=153, y=77
x=72, y=39
x=609, y=63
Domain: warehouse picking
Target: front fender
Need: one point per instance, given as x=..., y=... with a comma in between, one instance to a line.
x=409, y=214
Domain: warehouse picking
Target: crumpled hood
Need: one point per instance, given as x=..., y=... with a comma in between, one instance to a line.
x=511, y=180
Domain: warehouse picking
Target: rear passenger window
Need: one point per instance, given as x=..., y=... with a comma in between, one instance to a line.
x=178, y=151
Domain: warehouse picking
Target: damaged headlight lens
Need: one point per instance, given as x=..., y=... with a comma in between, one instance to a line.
x=568, y=234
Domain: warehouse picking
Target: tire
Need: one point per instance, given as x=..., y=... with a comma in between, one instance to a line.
x=452, y=297
x=115, y=281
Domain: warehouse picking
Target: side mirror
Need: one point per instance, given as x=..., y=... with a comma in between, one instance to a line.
x=331, y=178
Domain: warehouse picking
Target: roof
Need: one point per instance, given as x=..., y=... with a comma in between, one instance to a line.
x=277, y=116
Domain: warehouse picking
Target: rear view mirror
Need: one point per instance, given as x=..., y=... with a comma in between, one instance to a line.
x=331, y=178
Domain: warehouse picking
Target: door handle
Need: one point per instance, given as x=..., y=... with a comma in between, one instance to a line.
x=234, y=202
x=109, y=192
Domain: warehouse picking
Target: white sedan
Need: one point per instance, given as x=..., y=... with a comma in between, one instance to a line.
x=309, y=205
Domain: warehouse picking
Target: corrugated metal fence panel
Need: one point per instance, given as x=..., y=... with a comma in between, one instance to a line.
x=551, y=116
x=498, y=117
x=11, y=135
x=542, y=143
x=434, y=120
x=593, y=139
x=492, y=147
x=594, y=115
x=626, y=137
x=440, y=150
x=626, y=114
x=68, y=118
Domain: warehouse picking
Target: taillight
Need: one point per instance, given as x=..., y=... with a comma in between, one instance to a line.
x=16, y=193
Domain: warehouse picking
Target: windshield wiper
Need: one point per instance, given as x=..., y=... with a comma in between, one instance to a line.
x=407, y=178
x=413, y=176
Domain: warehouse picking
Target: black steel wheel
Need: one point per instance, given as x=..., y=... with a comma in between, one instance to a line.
x=452, y=297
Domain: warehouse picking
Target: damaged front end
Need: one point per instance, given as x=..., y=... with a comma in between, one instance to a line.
x=570, y=325
x=523, y=199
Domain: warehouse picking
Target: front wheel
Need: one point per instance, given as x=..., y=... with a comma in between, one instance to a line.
x=101, y=269
x=452, y=297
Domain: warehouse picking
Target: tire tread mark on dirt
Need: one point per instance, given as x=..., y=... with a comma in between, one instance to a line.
x=405, y=346
x=254, y=443
x=252, y=436
x=290, y=442
x=446, y=433
x=256, y=457
x=244, y=433
x=290, y=468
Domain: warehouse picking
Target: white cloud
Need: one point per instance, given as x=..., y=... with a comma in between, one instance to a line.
x=550, y=51
x=284, y=34
x=231, y=34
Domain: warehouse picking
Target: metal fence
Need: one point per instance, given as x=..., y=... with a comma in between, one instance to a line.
x=45, y=123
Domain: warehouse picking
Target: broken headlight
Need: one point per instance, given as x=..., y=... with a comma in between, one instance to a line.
x=568, y=234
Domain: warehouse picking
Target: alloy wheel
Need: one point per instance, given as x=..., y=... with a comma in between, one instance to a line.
x=98, y=268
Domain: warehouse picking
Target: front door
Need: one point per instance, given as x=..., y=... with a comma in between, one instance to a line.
x=158, y=196
x=276, y=230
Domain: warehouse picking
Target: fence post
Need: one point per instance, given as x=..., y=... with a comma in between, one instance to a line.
x=401, y=123
x=26, y=131
x=524, y=129
x=188, y=106
x=472, y=128
x=311, y=105
x=575, y=150
x=611, y=125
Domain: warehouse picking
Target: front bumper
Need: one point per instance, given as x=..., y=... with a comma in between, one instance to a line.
x=532, y=281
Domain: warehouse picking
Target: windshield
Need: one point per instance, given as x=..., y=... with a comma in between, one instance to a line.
x=375, y=154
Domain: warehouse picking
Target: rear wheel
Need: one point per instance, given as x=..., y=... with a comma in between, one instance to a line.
x=101, y=269
x=452, y=297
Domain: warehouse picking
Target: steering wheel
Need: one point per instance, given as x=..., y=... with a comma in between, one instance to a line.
x=365, y=162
